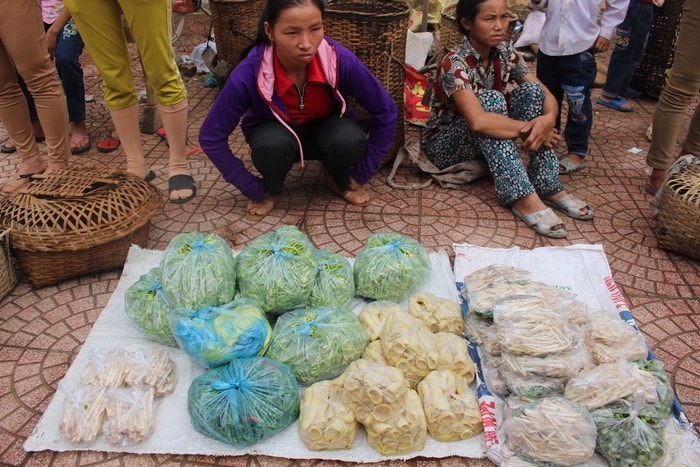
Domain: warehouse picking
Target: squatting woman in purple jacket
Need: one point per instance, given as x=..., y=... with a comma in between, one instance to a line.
x=289, y=95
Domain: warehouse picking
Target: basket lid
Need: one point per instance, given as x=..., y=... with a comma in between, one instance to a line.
x=77, y=208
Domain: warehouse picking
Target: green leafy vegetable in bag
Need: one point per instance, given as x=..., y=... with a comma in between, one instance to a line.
x=334, y=283
x=213, y=336
x=278, y=269
x=390, y=267
x=624, y=439
x=245, y=401
x=317, y=343
x=197, y=270
x=148, y=309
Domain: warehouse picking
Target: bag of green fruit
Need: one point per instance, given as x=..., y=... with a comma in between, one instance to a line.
x=624, y=438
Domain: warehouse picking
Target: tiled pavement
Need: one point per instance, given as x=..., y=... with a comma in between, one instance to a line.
x=41, y=330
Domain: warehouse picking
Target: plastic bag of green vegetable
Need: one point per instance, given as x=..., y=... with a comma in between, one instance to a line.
x=148, y=309
x=278, y=269
x=657, y=414
x=245, y=401
x=391, y=266
x=198, y=269
x=317, y=343
x=334, y=283
x=624, y=439
x=213, y=336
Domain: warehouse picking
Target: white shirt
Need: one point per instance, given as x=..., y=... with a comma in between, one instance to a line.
x=571, y=26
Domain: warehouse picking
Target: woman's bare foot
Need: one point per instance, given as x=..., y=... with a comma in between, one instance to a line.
x=257, y=210
x=29, y=167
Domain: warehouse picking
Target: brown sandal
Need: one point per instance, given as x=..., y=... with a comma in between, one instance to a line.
x=263, y=208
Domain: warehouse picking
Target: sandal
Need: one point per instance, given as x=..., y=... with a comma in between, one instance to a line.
x=80, y=145
x=163, y=135
x=615, y=104
x=567, y=166
x=571, y=206
x=109, y=144
x=8, y=147
x=544, y=222
x=181, y=182
x=264, y=205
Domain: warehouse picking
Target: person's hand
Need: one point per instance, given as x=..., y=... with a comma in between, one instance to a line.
x=602, y=44
x=539, y=132
x=51, y=39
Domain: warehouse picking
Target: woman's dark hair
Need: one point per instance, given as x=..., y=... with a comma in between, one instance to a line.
x=467, y=9
x=270, y=14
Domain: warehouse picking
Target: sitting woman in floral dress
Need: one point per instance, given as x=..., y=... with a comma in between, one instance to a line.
x=473, y=116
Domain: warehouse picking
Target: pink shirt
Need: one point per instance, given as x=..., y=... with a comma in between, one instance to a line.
x=50, y=10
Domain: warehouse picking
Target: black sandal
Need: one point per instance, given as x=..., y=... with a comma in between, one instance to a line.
x=182, y=182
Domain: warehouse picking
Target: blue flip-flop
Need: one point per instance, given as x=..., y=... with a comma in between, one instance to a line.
x=615, y=104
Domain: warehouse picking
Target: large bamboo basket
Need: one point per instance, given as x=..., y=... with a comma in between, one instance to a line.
x=679, y=213
x=77, y=221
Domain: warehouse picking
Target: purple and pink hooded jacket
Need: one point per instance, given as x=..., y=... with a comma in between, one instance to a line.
x=249, y=97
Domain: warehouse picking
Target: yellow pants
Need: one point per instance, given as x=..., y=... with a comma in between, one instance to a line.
x=100, y=25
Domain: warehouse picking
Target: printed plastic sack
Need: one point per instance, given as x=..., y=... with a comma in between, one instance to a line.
x=317, y=343
x=278, y=269
x=147, y=308
x=197, y=270
x=391, y=266
x=213, y=336
x=334, y=283
x=245, y=401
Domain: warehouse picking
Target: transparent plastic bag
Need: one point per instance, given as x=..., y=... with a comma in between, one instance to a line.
x=390, y=266
x=334, y=283
x=148, y=309
x=278, y=269
x=130, y=415
x=624, y=439
x=317, y=343
x=83, y=412
x=197, y=270
x=244, y=401
x=216, y=335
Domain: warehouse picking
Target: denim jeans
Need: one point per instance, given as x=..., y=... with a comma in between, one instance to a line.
x=630, y=43
x=571, y=77
x=68, y=49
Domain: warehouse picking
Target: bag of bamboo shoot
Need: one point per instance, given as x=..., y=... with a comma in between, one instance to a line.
x=451, y=409
x=608, y=382
x=130, y=415
x=409, y=345
x=83, y=412
x=374, y=314
x=439, y=314
x=611, y=339
x=325, y=422
x=151, y=367
x=551, y=430
x=404, y=432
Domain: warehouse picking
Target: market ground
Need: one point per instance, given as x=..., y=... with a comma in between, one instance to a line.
x=41, y=330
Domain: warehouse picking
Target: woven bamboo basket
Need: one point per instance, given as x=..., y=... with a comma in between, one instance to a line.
x=8, y=274
x=375, y=30
x=679, y=213
x=77, y=221
x=235, y=26
x=650, y=76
